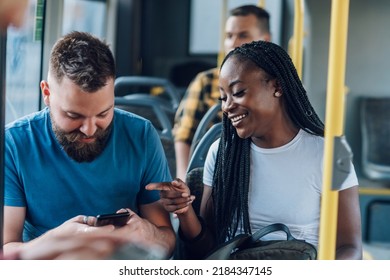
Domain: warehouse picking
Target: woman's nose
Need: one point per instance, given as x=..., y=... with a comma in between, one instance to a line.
x=227, y=105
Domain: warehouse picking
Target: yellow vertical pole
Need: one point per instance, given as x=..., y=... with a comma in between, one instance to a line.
x=261, y=4
x=297, y=47
x=221, y=54
x=333, y=124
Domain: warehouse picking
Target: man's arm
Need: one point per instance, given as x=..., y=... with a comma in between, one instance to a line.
x=154, y=228
x=13, y=231
x=182, y=151
x=13, y=227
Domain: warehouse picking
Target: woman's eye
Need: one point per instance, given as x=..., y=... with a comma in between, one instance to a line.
x=239, y=93
x=222, y=98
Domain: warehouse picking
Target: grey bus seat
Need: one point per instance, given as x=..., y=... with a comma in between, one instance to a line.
x=375, y=127
x=127, y=85
x=205, y=123
x=194, y=177
x=150, y=107
x=198, y=157
x=154, y=109
x=194, y=180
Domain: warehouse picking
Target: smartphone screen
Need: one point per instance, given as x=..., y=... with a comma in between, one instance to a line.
x=116, y=219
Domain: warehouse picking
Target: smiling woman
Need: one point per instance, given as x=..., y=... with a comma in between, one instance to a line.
x=267, y=163
x=249, y=95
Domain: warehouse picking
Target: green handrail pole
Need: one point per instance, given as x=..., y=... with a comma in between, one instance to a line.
x=333, y=124
x=297, y=52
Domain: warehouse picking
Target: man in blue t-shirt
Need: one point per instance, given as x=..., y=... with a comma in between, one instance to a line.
x=80, y=157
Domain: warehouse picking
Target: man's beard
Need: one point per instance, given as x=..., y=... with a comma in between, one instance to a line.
x=77, y=150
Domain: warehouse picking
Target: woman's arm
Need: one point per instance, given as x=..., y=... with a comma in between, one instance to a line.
x=349, y=235
x=176, y=198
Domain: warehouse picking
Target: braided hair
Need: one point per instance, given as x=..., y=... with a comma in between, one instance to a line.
x=232, y=167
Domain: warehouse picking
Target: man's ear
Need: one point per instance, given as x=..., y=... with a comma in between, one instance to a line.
x=266, y=37
x=45, y=92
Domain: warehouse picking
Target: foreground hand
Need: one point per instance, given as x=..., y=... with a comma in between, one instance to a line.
x=80, y=225
x=76, y=238
x=175, y=196
x=88, y=246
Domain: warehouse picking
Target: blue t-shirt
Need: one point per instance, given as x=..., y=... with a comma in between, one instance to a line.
x=53, y=187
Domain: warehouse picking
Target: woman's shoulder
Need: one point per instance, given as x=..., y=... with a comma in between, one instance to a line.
x=309, y=138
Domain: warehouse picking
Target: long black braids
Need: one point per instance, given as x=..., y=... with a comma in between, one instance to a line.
x=232, y=167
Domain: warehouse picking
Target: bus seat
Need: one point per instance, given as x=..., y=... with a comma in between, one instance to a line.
x=156, y=110
x=127, y=85
x=194, y=181
x=375, y=128
x=198, y=157
x=205, y=123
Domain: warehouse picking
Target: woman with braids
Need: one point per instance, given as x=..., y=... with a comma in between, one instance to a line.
x=267, y=166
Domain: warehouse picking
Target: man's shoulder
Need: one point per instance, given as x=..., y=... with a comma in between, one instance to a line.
x=27, y=120
x=130, y=120
x=121, y=114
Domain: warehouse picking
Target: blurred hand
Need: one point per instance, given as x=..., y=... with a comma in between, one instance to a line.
x=74, y=239
x=90, y=245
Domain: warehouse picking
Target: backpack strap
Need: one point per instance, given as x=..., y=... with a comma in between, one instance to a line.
x=223, y=252
x=272, y=228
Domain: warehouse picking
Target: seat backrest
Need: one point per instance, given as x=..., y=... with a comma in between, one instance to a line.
x=127, y=85
x=205, y=123
x=150, y=107
x=194, y=181
x=154, y=109
x=198, y=157
x=375, y=128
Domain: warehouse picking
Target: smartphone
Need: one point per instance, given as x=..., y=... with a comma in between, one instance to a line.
x=116, y=219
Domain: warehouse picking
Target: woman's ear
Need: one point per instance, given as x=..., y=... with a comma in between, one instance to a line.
x=45, y=92
x=278, y=89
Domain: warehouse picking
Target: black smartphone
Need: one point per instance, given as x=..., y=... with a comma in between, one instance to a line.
x=116, y=219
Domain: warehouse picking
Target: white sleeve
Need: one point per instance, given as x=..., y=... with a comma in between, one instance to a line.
x=209, y=165
x=351, y=179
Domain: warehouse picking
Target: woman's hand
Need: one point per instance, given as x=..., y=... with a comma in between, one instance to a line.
x=175, y=196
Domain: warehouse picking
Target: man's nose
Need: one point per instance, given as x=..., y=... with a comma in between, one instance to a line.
x=88, y=127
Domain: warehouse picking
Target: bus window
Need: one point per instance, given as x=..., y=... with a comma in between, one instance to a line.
x=84, y=15
x=23, y=64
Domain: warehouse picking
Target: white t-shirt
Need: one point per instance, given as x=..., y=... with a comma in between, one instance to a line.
x=285, y=185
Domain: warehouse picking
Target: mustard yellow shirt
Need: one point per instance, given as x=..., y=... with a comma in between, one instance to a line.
x=200, y=96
